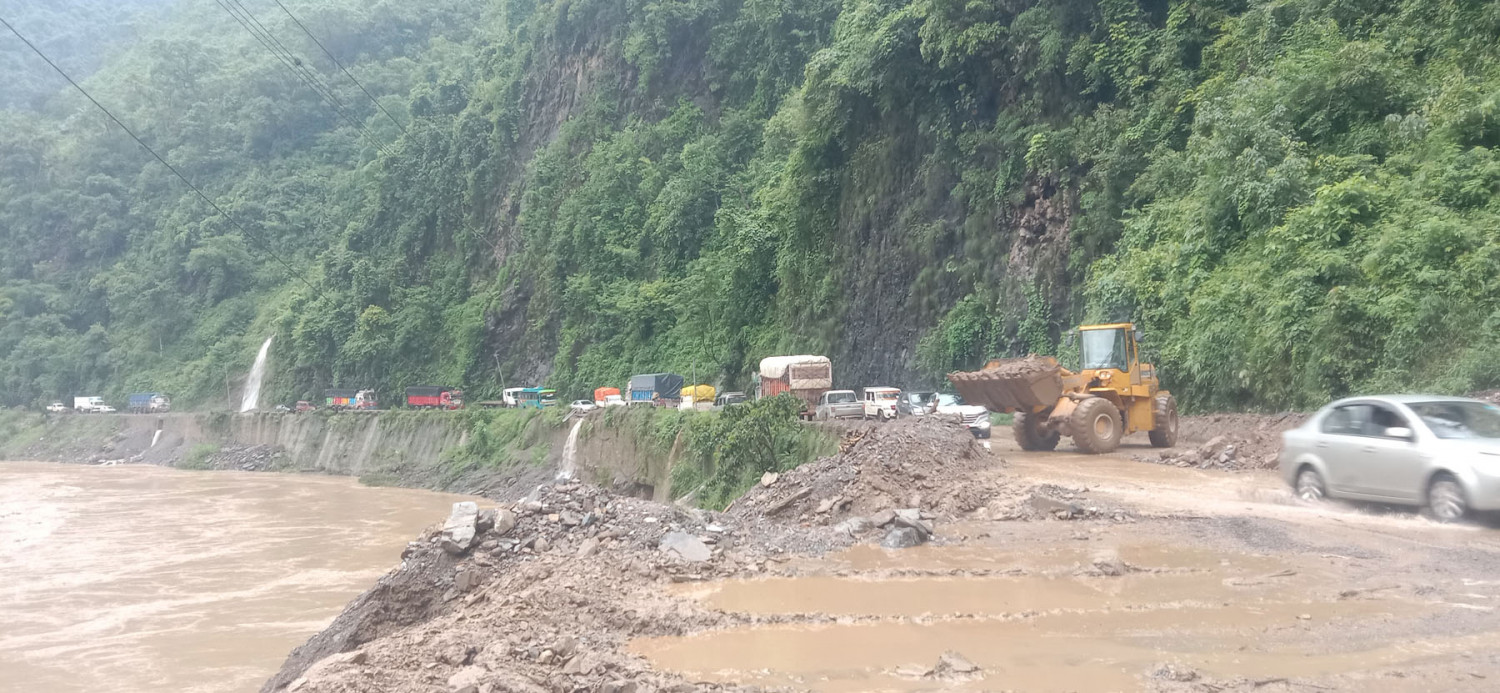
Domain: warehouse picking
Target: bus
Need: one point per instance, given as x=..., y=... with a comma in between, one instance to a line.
x=536, y=398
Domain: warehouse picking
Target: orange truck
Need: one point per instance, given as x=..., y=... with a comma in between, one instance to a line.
x=806, y=377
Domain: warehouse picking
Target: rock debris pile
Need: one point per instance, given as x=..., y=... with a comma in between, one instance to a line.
x=1228, y=441
x=536, y=595
x=924, y=464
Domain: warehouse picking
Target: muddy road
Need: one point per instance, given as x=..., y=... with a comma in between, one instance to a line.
x=1214, y=581
x=1046, y=572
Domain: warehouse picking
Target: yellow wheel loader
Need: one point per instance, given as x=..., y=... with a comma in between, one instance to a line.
x=1111, y=395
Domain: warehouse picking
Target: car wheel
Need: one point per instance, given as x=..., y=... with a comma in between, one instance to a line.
x=1446, y=501
x=1310, y=486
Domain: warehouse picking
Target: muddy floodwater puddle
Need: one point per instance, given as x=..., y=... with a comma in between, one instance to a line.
x=138, y=578
x=1055, y=627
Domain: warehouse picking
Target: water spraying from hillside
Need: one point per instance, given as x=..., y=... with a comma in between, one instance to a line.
x=570, y=450
x=251, y=400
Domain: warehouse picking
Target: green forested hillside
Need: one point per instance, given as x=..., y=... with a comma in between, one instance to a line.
x=1297, y=199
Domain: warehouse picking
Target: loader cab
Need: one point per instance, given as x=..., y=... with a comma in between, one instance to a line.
x=1113, y=347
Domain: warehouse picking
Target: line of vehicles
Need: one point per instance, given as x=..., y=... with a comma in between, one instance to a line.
x=138, y=403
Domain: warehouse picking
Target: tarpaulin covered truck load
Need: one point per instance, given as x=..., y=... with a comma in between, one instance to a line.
x=434, y=397
x=662, y=389
x=700, y=393
x=148, y=403
x=806, y=377
x=602, y=393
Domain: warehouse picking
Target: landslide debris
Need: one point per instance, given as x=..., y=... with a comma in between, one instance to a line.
x=537, y=595
x=928, y=463
x=1229, y=442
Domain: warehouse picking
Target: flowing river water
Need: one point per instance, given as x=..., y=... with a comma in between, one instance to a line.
x=140, y=578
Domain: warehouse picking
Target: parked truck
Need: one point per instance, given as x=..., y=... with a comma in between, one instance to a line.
x=660, y=389
x=607, y=397
x=434, y=397
x=350, y=400
x=91, y=405
x=148, y=403
x=805, y=377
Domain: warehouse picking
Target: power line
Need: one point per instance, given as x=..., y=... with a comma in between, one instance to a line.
x=340, y=65
x=265, y=247
x=268, y=41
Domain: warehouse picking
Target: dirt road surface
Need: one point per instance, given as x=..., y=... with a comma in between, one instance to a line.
x=1046, y=572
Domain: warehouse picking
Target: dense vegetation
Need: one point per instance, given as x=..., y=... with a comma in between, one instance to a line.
x=1296, y=198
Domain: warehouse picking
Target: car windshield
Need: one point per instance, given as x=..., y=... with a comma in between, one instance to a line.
x=885, y=396
x=948, y=401
x=922, y=398
x=1459, y=419
x=840, y=397
x=1103, y=349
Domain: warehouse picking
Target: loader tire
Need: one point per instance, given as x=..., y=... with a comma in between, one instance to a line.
x=1030, y=435
x=1095, y=425
x=1164, y=410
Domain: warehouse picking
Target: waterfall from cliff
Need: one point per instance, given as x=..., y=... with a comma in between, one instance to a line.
x=251, y=399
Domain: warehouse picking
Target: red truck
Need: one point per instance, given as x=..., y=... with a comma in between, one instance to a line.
x=434, y=397
x=806, y=377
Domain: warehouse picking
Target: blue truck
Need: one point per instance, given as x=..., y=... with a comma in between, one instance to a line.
x=148, y=403
x=661, y=389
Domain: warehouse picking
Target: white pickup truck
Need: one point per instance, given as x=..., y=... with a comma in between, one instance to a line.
x=91, y=405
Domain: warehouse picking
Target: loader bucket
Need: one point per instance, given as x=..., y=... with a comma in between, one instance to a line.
x=1026, y=384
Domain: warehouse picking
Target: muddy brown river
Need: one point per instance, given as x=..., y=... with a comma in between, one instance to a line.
x=139, y=578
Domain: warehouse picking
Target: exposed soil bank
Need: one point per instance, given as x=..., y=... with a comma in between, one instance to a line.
x=470, y=452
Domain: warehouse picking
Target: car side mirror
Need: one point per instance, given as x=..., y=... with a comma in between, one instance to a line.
x=1401, y=432
x=1069, y=337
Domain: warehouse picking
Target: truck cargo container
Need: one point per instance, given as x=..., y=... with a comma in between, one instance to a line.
x=351, y=400
x=434, y=397
x=148, y=403
x=804, y=377
x=602, y=394
x=661, y=389
x=91, y=405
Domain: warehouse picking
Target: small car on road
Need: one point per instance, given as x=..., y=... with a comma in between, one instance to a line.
x=58, y=408
x=583, y=406
x=973, y=416
x=729, y=399
x=917, y=403
x=1438, y=453
x=880, y=403
x=838, y=404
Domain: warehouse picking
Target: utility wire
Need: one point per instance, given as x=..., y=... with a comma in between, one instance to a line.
x=296, y=66
x=265, y=247
x=340, y=65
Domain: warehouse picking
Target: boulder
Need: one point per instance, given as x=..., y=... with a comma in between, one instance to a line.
x=883, y=518
x=458, y=532
x=954, y=662
x=467, y=579
x=467, y=677
x=484, y=521
x=587, y=547
x=902, y=538
x=505, y=521
x=920, y=526
x=854, y=526
x=685, y=546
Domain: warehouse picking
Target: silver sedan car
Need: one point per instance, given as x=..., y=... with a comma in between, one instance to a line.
x=1441, y=453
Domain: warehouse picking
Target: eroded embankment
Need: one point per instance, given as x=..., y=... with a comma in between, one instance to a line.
x=471, y=451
